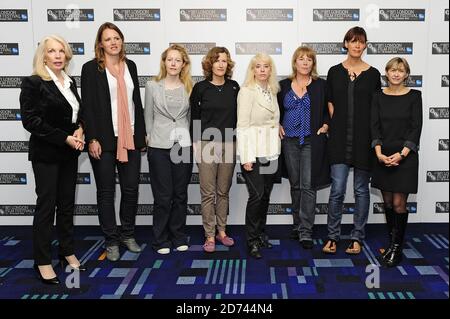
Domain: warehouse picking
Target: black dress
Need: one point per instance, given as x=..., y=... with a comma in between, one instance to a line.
x=396, y=122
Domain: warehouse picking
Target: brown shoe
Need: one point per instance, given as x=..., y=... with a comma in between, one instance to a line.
x=354, y=248
x=330, y=247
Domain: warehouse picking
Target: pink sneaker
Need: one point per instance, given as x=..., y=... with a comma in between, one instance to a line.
x=226, y=241
x=209, y=246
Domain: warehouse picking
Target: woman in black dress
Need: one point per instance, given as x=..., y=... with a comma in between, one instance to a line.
x=396, y=123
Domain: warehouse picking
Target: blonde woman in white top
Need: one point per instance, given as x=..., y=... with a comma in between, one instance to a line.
x=258, y=145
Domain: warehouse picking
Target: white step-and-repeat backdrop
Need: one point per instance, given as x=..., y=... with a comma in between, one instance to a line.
x=416, y=30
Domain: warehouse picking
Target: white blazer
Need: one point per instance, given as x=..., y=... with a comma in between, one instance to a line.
x=257, y=126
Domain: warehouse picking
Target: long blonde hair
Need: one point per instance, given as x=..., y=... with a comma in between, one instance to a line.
x=39, y=56
x=250, y=76
x=185, y=74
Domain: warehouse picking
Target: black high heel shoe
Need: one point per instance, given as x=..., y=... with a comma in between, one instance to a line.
x=51, y=281
x=63, y=261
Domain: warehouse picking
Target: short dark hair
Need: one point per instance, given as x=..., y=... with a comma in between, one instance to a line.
x=357, y=33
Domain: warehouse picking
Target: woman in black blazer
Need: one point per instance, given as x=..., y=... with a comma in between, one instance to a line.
x=304, y=124
x=115, y=130
x=50, y=108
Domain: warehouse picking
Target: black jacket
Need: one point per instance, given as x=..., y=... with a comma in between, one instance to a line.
x=97, y=107
x=47, y=115
x=366, y=84
x=320, y=169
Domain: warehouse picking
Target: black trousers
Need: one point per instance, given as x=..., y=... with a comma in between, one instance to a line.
x=169, y=182
x=55, y=188
x=105, y=179
x=259, y=183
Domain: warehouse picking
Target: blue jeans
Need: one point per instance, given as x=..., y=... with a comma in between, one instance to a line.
x=339, y=175
x=298, y=164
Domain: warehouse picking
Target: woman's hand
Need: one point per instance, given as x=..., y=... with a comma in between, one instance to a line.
x=248, y=167
x=95, y=149
x=281, y=132
x=323, y=129
x=79, y=133
x=383, y=159
x=75, y=142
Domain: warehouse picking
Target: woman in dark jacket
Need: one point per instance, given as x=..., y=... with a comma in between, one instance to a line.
x=115, y=130
x=50, y=108
x=304, y=124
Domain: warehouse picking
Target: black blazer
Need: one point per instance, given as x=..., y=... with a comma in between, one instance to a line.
x=47, y=115
x=97, y=107
x=320, y=169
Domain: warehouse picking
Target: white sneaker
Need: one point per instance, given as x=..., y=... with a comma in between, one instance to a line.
x=183, y=248
x=163, y=251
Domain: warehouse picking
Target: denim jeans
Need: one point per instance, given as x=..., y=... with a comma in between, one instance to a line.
x=339, y=175
x=298, y=164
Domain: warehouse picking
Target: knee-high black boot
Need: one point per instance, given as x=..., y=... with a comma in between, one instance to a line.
x=389, y=214
x=398, y=234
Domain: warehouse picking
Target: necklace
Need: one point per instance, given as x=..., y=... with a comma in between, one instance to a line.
x=218, y=87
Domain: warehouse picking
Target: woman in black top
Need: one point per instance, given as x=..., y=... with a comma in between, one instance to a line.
x=115, y=129
x=396, y=124
x=351, y=85
x=214, y=116
x=51, y=111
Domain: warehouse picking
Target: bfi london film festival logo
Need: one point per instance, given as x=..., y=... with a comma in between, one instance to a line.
x=326, y=48
x=13, y=179
x=143, y=79
x=9, y=49
x=390, y=48
x=10, y=82
x=196, y=48
x=198, y=78
x=77, y=48
x=442, y=207
x=445, y=81
x=147, y=209
x=13, y=15
x=446, y=14
x=440, y=48
x=402, y=14
x=414, y=81
x=17, y=210
x=137, y=48
x=193, y=15
x=378, y=208
x=438, y=113
x=10, y=115
x=443, y=144
x=269, y=14
x=251, y=48
x=137, y=14
x=13, y=146
x=85, y=210
x=84, y=178
x=336, y=15
x=437, y=176
x=72, y=15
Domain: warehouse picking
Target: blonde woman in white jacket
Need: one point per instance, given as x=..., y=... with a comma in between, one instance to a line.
x=258, y=145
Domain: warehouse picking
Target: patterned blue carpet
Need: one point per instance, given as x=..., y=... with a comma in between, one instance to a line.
x=285, y=272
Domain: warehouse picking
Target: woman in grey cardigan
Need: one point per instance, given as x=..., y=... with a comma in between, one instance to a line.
x=167, y=118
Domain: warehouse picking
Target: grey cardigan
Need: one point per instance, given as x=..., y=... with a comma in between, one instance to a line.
x=163, y=127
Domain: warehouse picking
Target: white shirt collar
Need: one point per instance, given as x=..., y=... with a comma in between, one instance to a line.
x=67, y=79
